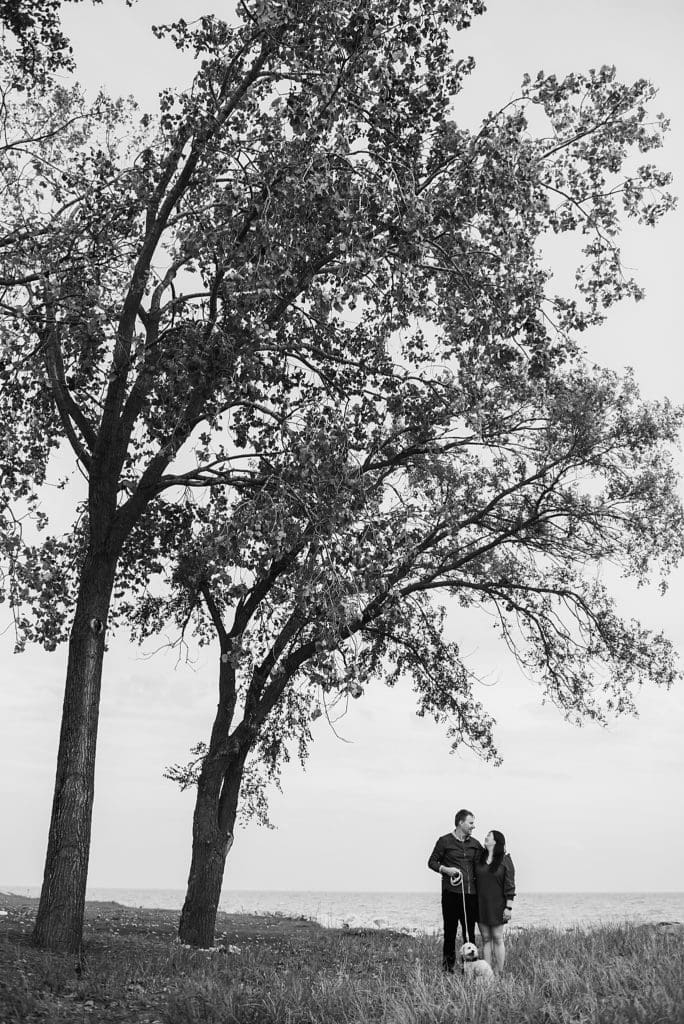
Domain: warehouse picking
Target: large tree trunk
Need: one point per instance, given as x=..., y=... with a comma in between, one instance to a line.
x=59, y=923
x=218, y=790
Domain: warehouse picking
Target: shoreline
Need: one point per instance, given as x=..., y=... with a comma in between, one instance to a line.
x=250, y=921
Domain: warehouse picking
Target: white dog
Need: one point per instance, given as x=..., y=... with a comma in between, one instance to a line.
x=473, y=967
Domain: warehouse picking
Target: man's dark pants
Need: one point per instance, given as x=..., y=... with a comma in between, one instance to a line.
x=452, y=914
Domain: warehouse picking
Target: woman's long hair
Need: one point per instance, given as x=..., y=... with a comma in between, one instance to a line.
x=498, y=852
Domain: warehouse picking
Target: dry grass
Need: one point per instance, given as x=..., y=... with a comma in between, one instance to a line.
x=278, y=970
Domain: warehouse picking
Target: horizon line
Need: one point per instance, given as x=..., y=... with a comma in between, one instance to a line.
x=10, y=890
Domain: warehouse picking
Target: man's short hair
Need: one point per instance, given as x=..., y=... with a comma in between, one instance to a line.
x=461, y=816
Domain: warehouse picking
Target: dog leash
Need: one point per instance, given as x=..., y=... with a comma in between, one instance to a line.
x=454, y=883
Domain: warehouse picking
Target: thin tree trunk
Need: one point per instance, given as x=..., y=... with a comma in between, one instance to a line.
x=218, y=788
x=59, y=923
x=212, y=837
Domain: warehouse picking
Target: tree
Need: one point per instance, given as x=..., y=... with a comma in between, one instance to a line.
x=307, y=220
x=503, y=492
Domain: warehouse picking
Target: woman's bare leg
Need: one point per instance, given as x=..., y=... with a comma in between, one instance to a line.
x=486, y=933
x=498, y=948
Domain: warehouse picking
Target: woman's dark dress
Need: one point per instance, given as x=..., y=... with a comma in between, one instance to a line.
x=493, y=889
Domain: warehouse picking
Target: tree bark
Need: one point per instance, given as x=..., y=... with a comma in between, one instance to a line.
x=59, y=922
x=218, y=790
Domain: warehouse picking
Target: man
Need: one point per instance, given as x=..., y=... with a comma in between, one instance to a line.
x=454, y=859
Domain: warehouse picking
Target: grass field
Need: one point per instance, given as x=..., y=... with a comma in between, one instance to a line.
x=277, y=970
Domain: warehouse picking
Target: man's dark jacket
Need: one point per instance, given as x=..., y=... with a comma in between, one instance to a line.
x=456, y=853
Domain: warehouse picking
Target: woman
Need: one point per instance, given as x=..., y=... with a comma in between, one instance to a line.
x=495, y=892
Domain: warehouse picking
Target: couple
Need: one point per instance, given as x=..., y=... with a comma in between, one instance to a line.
x=478, y=884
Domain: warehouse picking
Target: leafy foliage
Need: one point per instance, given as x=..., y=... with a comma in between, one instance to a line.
x=37, y=47
x=305, y=295
x=324, y=579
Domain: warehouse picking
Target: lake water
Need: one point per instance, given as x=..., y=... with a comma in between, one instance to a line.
x=412, y=911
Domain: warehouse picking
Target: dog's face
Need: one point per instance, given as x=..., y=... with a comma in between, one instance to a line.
x=469, y=952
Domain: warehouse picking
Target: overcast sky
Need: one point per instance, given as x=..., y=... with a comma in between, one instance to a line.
x=366, y=812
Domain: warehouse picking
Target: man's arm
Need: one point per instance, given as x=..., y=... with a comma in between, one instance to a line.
x=435, y=858
x=435, y=862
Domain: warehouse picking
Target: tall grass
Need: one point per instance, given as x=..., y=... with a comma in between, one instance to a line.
x=613, y=975
x=286, y=972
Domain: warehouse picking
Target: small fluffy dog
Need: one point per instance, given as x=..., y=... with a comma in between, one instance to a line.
x=473, y=967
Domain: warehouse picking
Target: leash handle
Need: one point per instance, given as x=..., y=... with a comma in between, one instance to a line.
x=454, y=880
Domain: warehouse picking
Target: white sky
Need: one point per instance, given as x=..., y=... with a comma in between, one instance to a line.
x=366, y=812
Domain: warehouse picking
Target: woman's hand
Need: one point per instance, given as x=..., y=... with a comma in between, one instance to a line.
x=507, y=914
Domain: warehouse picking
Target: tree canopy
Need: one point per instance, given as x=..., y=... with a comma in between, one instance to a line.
x=506, y=495
x=33, y=46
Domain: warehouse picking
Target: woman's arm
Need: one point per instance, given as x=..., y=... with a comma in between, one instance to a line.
x=508, y=881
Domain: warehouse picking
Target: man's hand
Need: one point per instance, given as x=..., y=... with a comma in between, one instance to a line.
x=453, y=873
